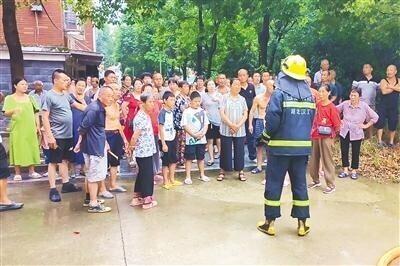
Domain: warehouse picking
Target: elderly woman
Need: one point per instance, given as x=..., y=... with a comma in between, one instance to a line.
x=211, y=101
x=234, y=113
x=325, y=127
x=357, y=116
x=143, y=144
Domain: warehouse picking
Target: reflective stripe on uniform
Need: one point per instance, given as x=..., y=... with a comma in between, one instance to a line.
x=266, y=135
x=301, y=203
x=308, y=105
x=290, y=143
x=274, y=203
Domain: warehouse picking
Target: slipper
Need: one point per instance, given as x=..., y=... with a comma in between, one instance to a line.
x=221, y=176
x=35, y=175
x=209, y=163
x=256, y=170
x=216, y=156
x=17, y=178
x=10, y=207
x=117, y=189
x=242, y=177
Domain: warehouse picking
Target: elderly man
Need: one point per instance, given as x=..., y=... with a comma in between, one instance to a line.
x=324, y=67
x=38, y=93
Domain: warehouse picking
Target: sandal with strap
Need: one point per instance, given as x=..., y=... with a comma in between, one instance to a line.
x=241, y=176
x=221, y=176
x=149, y=205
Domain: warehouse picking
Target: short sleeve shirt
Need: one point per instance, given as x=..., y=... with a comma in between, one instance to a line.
x=234, y=107
x=196, y=120
x=166, y=118
x=145, y=146
x=60, y=115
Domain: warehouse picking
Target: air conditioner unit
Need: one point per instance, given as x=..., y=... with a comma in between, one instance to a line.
x=36, y=8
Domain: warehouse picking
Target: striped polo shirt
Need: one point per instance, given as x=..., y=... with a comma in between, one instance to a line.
x=234, y=107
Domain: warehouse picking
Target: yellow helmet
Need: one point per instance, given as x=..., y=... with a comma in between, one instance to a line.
x=294, y=66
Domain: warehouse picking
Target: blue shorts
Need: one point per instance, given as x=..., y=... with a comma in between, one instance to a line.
x=195, y=152
x=258, y=128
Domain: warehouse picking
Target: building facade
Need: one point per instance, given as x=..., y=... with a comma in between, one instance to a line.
x=52, y=39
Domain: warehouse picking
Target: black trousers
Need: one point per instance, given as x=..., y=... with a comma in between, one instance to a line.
x=355, y=151
x=144, y=184
x=226, y=153
x=277, y=167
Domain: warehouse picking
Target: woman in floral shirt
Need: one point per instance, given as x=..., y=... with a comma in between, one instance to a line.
x=143, y=143
x=181, y=103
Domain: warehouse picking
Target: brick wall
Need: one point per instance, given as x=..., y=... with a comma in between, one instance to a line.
x=48, y=34
x=44, y=33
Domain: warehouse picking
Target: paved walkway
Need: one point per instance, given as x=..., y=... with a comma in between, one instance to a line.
x=206, y=223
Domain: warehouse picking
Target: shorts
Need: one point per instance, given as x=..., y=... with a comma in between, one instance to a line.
x=392, y=116
x=195, y=152
x=64, y=151
x=116, y=143
x=258, y=128
x=96, y=167
x=4, y=171
x=213, y=132
x=169, y=157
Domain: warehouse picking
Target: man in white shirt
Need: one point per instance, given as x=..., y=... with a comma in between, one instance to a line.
x=324, y=67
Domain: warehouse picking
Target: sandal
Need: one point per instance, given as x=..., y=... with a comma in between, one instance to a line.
x=150, y=205
x=221, y=176
x=256, y=170
x=241, y=176
x=136, y=202
x=343, y=175
x=210, y=163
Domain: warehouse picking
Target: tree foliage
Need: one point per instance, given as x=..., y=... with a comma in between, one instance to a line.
x=223, y=36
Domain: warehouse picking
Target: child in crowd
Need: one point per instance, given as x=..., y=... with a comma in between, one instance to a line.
x=195, y=123
x=181, y=103
x=168, y=141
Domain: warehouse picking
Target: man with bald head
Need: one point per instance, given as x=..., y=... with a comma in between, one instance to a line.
x=388, y=107
x=249, y=93
x=324, y=67
x=92, y=142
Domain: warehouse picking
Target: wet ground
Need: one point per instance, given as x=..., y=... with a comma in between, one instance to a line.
x=206, y=223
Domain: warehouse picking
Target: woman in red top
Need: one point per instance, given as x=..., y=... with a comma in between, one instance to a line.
x=325, y=127
x=130, y=107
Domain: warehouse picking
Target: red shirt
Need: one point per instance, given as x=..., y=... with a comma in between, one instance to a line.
x=133, y=107
x=327, y=116
x=154, y=117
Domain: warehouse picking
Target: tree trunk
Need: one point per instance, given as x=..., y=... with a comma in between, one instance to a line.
x=211, y=51
x=274, y=49
x=263, y=39
x=12, y=39
x=200, y=42
x=184, y=69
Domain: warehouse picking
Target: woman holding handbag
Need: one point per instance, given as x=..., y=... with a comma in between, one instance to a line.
x=325, y=127
x=24, y=127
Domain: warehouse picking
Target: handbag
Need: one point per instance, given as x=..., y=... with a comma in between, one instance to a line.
x=323, y=130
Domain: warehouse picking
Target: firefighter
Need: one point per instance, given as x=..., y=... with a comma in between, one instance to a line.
x=289, y=118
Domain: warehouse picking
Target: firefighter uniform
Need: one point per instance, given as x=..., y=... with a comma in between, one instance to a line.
x=289, y=118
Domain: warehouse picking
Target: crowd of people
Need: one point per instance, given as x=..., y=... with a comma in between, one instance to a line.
x=88, y=126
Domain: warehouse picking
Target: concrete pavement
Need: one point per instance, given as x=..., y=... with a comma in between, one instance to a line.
x=206, y=223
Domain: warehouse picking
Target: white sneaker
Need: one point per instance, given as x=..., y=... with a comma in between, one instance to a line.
x=204, y=178
x=263, y=182
x=188, y=181
x=17, y=178
x=106, y=195
x=35, y=175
